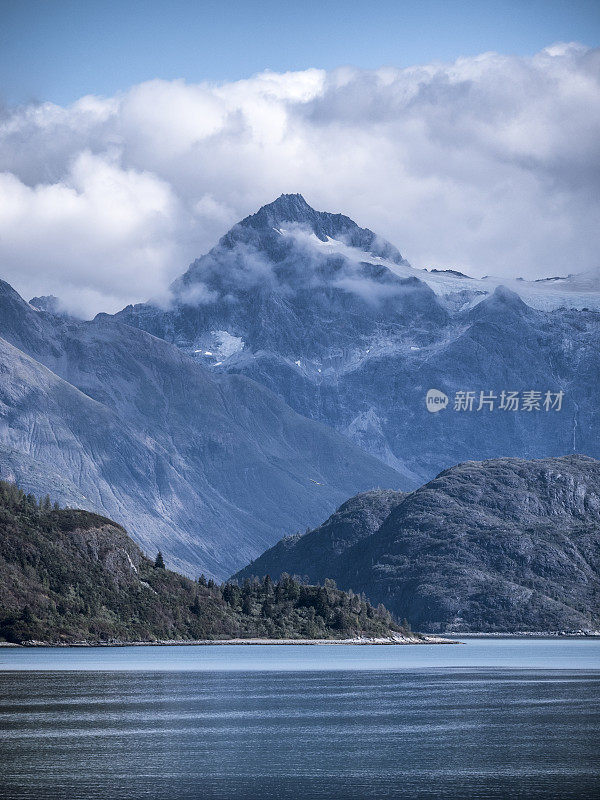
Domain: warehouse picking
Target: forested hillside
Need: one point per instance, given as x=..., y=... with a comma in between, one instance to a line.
x=68, y=575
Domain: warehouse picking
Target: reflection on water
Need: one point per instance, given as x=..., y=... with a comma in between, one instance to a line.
x=355, y=731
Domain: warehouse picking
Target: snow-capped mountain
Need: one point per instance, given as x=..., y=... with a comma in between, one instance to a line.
x=334, y=320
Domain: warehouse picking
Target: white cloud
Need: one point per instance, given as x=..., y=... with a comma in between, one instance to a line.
x=102, y=232
x=489, y=164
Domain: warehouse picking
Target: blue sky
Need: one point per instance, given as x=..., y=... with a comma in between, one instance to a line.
x=59, y=50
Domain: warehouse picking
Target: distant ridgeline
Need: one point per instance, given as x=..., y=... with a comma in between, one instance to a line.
x=68, y=575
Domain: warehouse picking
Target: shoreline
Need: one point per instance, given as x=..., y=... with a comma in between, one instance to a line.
x=524, y=634
x=359, y=641
x=449, y=637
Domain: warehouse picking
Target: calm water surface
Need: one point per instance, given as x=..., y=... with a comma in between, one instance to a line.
x=491, y=718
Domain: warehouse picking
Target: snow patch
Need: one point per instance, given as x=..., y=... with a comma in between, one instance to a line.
x=226, y=344
x=574, y=291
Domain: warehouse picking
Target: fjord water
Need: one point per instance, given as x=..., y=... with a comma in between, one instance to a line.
x=490, y=718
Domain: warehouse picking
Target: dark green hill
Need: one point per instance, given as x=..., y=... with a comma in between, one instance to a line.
x=499, y=545
x=315, y=554
x=69, y=575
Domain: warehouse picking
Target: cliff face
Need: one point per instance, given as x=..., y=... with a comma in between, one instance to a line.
x=297, y=338
x=499, y=545
x=58, y=568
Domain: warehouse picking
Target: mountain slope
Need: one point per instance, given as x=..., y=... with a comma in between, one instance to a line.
x=496, y=545
x=209, y=468
x=68, y=575
x=333, y=319
x=317, y=552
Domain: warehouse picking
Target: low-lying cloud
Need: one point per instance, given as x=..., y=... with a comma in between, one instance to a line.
x=490, y=165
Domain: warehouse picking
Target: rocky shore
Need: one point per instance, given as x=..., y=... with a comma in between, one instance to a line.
x=358, y=640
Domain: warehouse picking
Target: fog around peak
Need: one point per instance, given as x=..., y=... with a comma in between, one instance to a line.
x=486, y=164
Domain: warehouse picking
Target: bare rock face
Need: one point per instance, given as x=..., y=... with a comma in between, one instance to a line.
x=299, y=342
x=499, y=545
x=109, y=547
x=211, y=469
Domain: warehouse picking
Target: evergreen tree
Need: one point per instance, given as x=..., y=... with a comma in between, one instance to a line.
x=196, y=608
x=247, y=605
x=159, y=562
x=267, y=608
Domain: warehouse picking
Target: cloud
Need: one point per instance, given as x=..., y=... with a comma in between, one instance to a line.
x=490, y=165
x=93, y=234
x=303, y=262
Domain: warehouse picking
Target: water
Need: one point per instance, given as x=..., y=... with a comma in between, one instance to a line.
x=487, y=719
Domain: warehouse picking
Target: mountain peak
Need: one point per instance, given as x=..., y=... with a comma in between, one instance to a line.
x=500, y=301
x=293, y=209
x=504, y=295
x=47, y=302
x=286, y=208
x=6, y=290
x=289, y=202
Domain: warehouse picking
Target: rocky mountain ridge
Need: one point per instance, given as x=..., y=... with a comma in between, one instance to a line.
x=333, y=319
x=500, y=545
